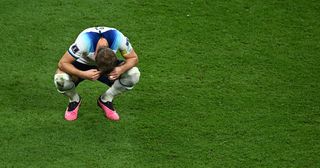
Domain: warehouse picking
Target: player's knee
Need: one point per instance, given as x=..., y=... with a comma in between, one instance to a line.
x=131, y=77
x=63, y=82
x=134, y=75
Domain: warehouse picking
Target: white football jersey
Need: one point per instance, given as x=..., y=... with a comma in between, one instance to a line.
x=84, y=47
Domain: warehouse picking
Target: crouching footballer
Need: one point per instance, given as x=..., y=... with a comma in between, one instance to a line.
x=93, y=57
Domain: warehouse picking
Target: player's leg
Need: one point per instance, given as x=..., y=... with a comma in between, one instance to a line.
x=66, y=85
x=124, y=83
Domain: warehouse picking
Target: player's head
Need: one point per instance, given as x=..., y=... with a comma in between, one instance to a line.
x=106, y=60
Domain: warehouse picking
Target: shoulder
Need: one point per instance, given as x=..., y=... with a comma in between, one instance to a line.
x=81, y=45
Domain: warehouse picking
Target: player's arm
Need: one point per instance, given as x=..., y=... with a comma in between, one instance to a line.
x=65, y=65
x=131, y=60
x=128, y=53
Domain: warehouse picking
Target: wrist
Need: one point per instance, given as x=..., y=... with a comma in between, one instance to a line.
x=120, y=69
x=81, y=74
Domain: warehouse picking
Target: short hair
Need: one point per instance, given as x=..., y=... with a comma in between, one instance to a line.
x=106, y=60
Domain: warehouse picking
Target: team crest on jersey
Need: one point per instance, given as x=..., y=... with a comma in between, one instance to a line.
x=74, y=48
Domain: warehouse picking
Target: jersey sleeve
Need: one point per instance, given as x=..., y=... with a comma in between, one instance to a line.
x=79, y=47
x=125, y=46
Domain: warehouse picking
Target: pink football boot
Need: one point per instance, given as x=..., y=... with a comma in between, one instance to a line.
x=72, y=111
x=108, y=109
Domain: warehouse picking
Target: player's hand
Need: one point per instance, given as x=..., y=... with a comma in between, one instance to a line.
x=115, y=74
x=92, y=74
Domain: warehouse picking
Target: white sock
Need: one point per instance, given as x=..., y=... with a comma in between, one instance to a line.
x=72, y=95
x=113, y=91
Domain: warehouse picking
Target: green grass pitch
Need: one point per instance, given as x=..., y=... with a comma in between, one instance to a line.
x=230, y=83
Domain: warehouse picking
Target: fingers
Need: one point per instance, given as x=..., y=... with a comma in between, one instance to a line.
x=94, y=71
x=96, y=75
x=114, y=74
x=93, y=74
x=111, y=77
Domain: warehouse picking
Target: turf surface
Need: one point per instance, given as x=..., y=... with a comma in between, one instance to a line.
x=224, y=84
